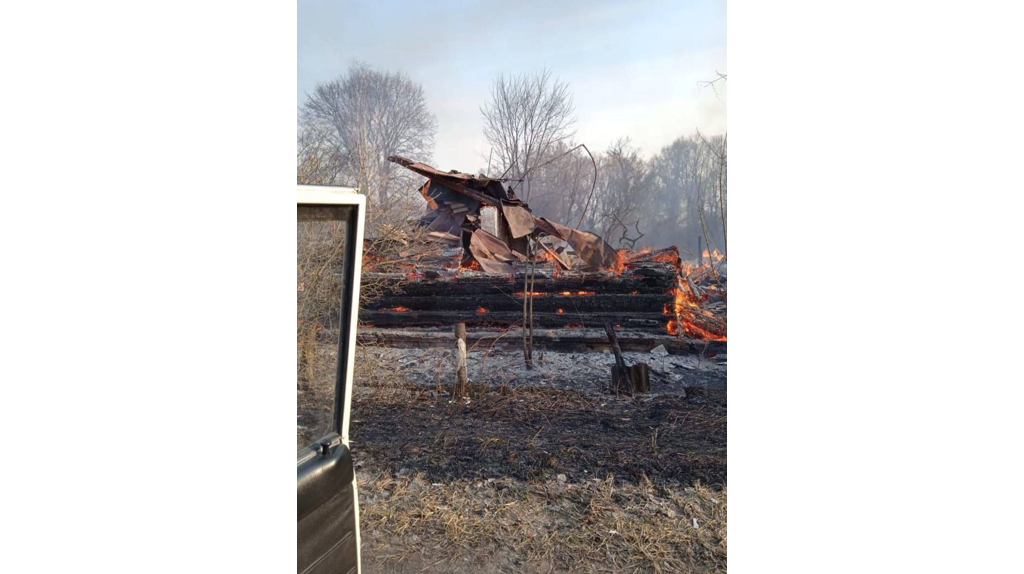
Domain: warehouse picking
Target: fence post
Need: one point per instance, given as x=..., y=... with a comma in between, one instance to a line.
x=460, y=374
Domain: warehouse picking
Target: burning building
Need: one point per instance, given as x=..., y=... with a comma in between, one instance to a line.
x=566, y=278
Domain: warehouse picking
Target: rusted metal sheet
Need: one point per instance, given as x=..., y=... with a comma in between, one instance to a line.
x=520, y=220
x=492, y=255
x=448, y=209
x=427, y=171
x=593, y=250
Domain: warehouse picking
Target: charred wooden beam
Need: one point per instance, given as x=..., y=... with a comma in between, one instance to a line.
x=668, y=254
x=643, y=296
x=656, y=322
x=709, y=325
x=565, y=340
x=542, y=303
x=606, y=283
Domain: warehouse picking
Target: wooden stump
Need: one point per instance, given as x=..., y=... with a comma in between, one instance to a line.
x=640, y=377
x=637, y=379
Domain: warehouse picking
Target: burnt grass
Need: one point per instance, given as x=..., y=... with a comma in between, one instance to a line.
x=536, y=433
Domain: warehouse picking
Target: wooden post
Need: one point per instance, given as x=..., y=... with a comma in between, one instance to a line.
x=620, y=373
x=533, y=284
x=460, y=350
x=700, y=252
x=528, y=311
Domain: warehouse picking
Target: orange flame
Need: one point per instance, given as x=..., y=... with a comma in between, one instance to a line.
x=667, y=256
x=398, y=309
x=564, y=293
x=546, y=255
x=481, y=310
x=703, y=334
x=621, y=257
x=686, y=309
x=472, y=265
x=714, y=256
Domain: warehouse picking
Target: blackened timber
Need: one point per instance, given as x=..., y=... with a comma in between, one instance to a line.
x=642, y=297
x=605, y=283
x=668, y=254
x=655, y=322
x=568, y=340
x=709, y=324
x=542, y=303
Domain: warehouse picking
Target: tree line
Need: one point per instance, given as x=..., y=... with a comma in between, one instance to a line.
x=349, y=126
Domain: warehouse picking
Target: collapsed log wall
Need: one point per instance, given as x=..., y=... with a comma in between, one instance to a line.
x=641, y=298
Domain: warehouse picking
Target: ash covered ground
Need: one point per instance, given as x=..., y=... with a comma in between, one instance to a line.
x=588, y=372
x=539, y=470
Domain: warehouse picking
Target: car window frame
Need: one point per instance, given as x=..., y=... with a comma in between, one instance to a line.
x=355, y=203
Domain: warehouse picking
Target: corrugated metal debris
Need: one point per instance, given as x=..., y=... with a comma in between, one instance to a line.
x=455, y=200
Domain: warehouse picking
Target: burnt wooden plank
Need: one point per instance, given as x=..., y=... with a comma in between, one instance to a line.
x=655, y=322
x=499, y=285
x=567, y=340
x=542, y=303
x=711, y=326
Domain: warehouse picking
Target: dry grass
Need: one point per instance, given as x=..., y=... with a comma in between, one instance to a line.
x=540, y=480
x=497, y=525
x=377, y=375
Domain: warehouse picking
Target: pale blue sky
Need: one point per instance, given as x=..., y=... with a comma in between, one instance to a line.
x=634, y=67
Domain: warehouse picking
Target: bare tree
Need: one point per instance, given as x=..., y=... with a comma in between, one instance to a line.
x=720, y=78
x=623, y=190
x=561, y=184
x=677, y=175
x=528, y=114
x=319, y=162
x=627, y=242
x=361, y=118
x=718, y=155
x=689, y=183
x=723, y=187
x=678, y=197
x=348, y=128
